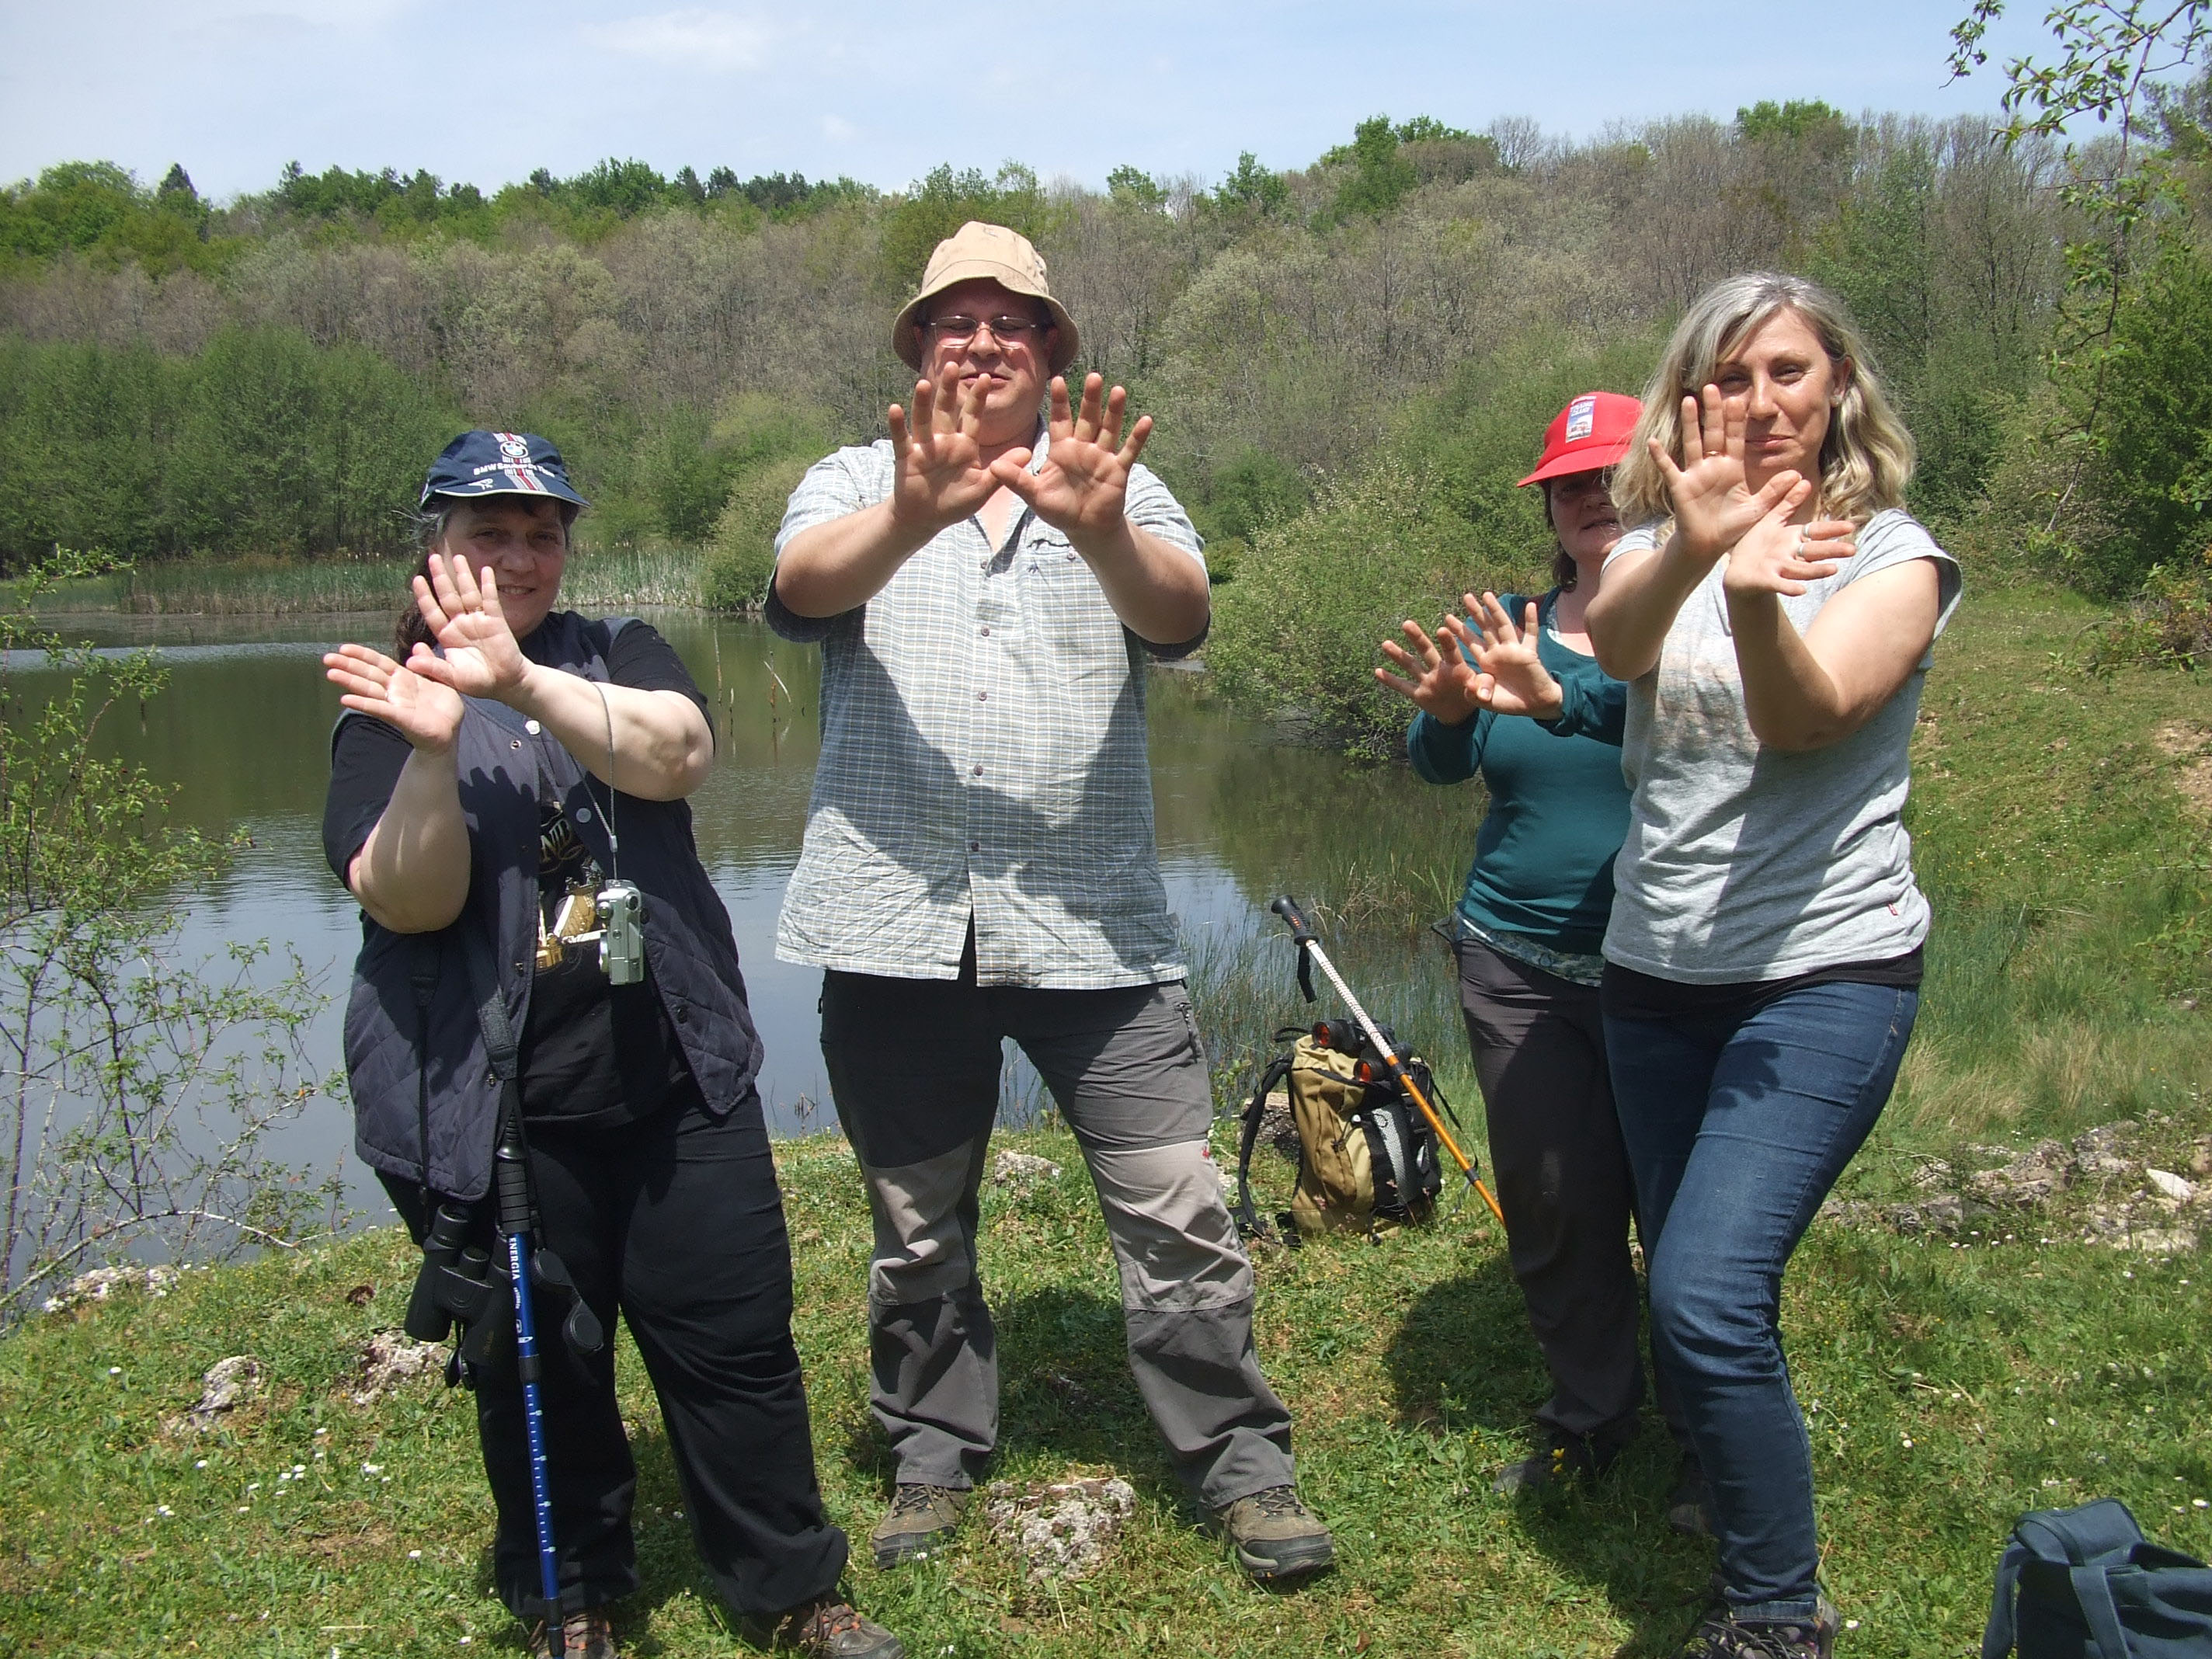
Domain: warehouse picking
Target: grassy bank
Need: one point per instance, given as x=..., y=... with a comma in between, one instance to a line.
x=1953, y=1379
x=1955, y=1386
x=595, y=581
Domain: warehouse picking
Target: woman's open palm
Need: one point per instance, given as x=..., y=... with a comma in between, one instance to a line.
x=425, y=713
x=1438, y=680
x=482, y=656
x=1714, y=505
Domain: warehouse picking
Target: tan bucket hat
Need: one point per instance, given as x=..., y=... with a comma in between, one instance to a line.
x=989, y=252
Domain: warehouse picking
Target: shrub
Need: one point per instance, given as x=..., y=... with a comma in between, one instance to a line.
x=1296, y=633
x=741, y=552
x=2168, y=626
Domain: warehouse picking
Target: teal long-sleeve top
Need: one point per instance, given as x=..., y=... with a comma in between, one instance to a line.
x=1558, y=807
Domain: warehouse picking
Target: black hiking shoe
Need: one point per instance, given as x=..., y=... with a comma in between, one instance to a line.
x=586, y=1633
x=1557, y=1457
x=1723, y=1637
x=824, y=1628
x=920, y=1519
x=1689, y=1504
x=1276, y=1536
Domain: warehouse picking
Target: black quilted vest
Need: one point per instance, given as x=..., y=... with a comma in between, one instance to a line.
x=425, y=1105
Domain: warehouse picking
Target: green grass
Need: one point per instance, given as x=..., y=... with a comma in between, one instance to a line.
x=2069, y=882
x=596, y=581
x=1408, y=1363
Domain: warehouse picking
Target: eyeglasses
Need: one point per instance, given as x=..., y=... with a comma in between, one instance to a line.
x=958, y=330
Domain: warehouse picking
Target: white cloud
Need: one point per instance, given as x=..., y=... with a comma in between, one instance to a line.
x=696, y=37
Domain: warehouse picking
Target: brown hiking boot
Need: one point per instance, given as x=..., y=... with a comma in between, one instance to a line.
x=920, y=1519
x=586, y=1633
x=1721, y=1637
x=1276, y=1536
x=825, y=1628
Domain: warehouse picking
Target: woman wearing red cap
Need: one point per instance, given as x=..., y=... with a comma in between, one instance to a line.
x=1530, y=922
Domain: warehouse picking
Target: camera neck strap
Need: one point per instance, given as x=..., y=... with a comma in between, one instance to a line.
x=614, y=842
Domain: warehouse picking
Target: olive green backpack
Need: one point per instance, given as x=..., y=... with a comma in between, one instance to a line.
x=1367, y=1159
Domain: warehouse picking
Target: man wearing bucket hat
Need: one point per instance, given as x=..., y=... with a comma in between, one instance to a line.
x=1527, y=929
x=489, y=785
x=987, y=584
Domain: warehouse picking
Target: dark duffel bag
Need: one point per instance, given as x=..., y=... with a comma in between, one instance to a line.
x=2086, y=1584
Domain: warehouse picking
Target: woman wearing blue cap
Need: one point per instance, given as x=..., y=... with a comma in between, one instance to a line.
x=492, y=790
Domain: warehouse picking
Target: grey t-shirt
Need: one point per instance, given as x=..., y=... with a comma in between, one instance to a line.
x=1745, y=863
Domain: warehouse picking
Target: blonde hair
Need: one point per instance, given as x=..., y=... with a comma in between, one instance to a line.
x=1867, y=457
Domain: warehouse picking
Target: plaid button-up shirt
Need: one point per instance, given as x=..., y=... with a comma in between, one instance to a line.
x=983, y=756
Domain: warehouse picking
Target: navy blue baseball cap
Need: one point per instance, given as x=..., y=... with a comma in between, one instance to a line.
x=500, y=464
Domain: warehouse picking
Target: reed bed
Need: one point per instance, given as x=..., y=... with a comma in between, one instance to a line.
x=617, y=579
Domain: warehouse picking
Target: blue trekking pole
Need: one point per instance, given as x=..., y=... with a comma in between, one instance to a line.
x=512, y=1172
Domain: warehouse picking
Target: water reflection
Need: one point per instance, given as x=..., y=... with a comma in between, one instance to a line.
x=243, y=730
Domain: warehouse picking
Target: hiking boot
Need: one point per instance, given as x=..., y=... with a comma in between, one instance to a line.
x=1276, y=1536
x=585, y=1633
x=1557, y=1457
x=824, y=1628
x=1689, y=1504
x=1723, y=1637
x=920, y=1519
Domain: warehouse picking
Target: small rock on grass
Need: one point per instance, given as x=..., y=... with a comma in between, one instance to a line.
x=102, y=1283
x=224, y=1387
x=389, y=1359
x=1064, y=1531
x=1022, y=1170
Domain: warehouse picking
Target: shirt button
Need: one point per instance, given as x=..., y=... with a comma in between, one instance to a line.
x=983, y=696
x=975, y=846
x=533, y=728
x=987, y=633
x=976, y=772
x=583, y=815
x=987, y=567
x=517, y=744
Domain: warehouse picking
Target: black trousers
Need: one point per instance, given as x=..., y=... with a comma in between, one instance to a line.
x=677, y=1223
x=1564, y=1182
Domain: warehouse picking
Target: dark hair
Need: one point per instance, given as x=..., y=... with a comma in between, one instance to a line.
x=408, y=629
x=1565, y=573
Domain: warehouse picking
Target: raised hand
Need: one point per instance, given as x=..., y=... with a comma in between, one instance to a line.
x=425, y=713
x=937, y=475
x=482, y=658
x=1714, y=503
x=1778, y=556
x=1512, y=679
x=1085, y=481
x=1444, y=684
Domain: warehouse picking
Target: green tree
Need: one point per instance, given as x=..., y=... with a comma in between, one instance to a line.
x=1381, y=178
x=1253, y=187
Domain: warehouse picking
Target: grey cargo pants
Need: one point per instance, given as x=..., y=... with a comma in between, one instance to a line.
x=913, y=1069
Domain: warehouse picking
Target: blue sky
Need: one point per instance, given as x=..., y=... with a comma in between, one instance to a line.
x=234, y=89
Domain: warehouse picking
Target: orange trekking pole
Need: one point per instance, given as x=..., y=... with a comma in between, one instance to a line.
x=1309, y=949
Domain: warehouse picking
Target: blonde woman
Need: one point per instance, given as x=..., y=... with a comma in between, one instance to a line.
x=1773, y=618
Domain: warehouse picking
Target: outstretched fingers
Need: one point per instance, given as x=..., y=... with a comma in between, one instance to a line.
x=1135, y=447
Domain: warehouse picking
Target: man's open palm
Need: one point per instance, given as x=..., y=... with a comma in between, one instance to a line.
x=937, y=475
x=1081, y=487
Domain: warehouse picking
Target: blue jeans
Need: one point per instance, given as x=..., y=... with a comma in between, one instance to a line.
x=1736, y=1127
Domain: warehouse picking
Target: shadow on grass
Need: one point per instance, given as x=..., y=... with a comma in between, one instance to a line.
x=1065, y=1394
x=1463, y=1360
x=668, y=1562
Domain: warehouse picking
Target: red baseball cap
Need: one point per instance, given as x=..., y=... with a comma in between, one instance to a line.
x=1591, y=432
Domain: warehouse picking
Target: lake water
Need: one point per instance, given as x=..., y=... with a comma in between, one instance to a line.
x=243, y=730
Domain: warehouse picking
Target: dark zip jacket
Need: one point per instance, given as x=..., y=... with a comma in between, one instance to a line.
x=426, y=1105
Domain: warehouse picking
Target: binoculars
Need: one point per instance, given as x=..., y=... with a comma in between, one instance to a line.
x=460, y=1282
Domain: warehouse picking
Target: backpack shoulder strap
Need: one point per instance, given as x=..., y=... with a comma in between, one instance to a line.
x=1999, y=1634
x=1248, y=1224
